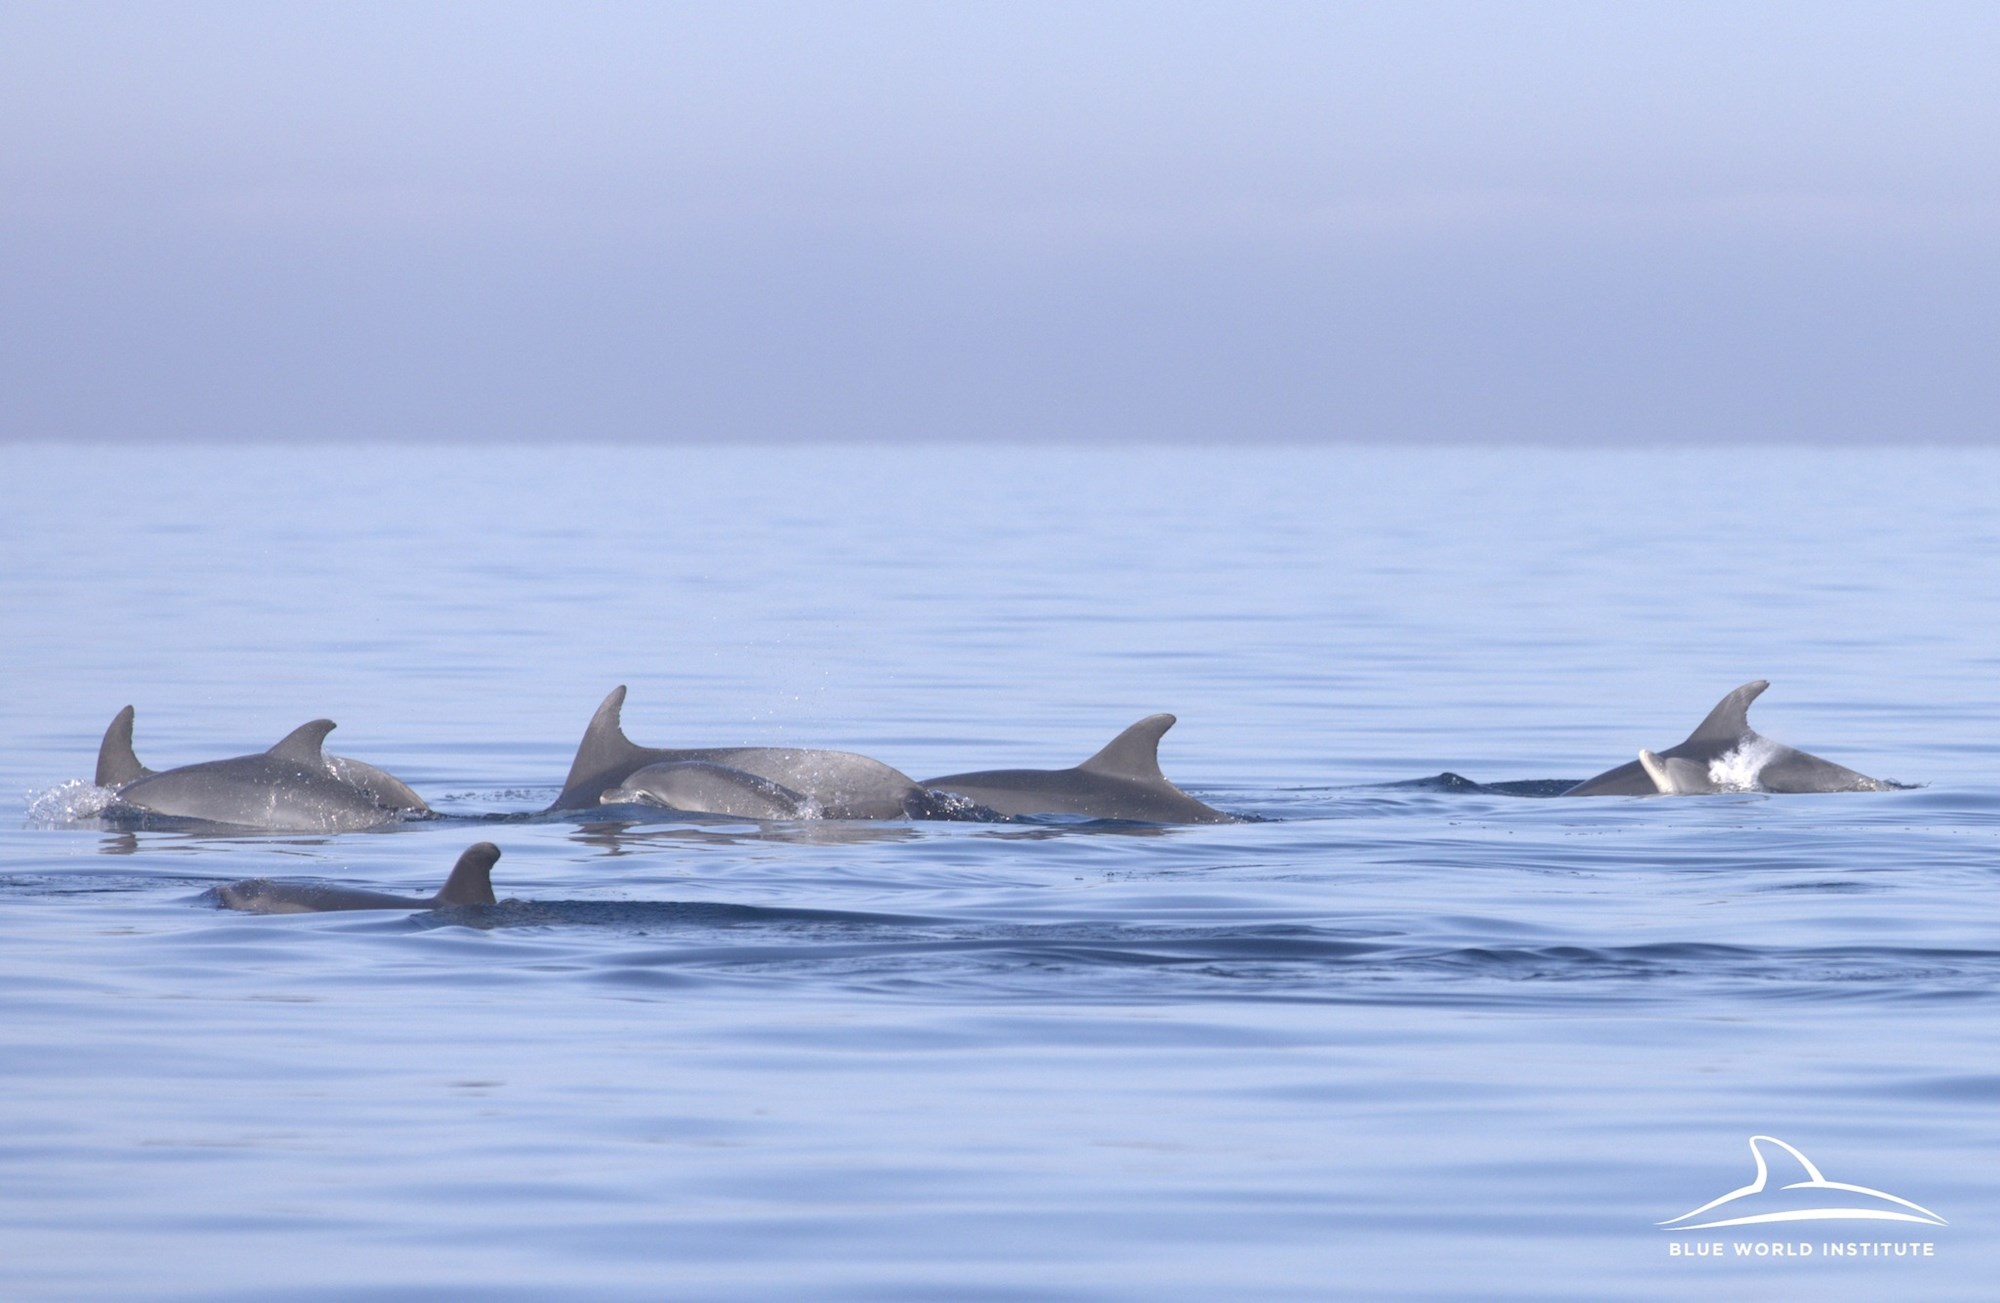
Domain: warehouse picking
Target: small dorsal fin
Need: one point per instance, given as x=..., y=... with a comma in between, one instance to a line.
x=471, y=880
x=116, y=765
x=605, y=746
x=303, y=744
x=1656, y=769
x=1135, y=753
x=1731, y=717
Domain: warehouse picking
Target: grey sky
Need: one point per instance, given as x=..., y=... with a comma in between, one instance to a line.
x=1397, y=221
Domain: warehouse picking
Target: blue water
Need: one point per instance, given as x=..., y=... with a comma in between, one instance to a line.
x=1390, y=1039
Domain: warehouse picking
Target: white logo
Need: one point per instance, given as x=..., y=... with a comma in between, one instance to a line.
x=1819, y=1199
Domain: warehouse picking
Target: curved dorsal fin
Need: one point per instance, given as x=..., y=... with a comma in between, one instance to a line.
x=604, y=746
x=116, y=765
x=303, y=744
x=1135, y=753
x=471, y=880
x=1731, y=717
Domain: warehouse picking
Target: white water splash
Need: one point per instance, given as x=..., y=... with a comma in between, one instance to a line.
x=68, y=804
x=1737, y=771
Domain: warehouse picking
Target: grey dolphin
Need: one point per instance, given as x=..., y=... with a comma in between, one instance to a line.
x=702, y=786
x=470, y=883
x=293, y=787
x=1123, y=781
x=842, y=784
x=1724, y=754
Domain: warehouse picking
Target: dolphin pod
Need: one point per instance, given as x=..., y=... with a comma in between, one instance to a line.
x=293, y=787
x=1724, y=754
x=296, y=787
x=470, y=883
x=1122, y=781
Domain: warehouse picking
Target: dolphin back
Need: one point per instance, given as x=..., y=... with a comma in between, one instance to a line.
x=1628, y=779
x=389, y=791
x=706, y=787
x=1797, y=771
x=1121, y=781
x=836, y=784
x=265, y=896
x=289, y=788
x=470, y=883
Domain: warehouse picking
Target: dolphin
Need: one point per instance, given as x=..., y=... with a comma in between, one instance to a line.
x=706, y=787
x=1724, y=754
x=1799, y=1194
x=293, y=787
x=1123, y=781
x=841, y=784
x=470, y=883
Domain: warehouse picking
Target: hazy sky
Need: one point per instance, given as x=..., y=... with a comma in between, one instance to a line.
x=1610, y=222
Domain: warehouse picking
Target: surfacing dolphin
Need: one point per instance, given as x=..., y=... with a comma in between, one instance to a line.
x=293, y=787
x=470, y=883
x=1123, y=781
x=703, y=786
x=838, y=784
x=1724, y=754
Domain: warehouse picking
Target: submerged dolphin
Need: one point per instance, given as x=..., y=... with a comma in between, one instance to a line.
x=293, y=787
x=840, y=784
x=1724, y=754
x=470, y=883
x=1123, y=781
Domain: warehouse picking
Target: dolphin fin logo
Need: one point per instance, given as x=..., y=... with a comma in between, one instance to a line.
x=1818, y=1199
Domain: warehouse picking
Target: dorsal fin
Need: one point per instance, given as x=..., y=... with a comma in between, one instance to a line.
x=471, y=880
x=304, y=744
x=116, y=765
x=1731, y=717
x=1656, y=769
x=1135, y=753
x=605, y=746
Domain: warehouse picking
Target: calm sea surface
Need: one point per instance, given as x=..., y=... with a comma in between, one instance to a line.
x=1393, y=1038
